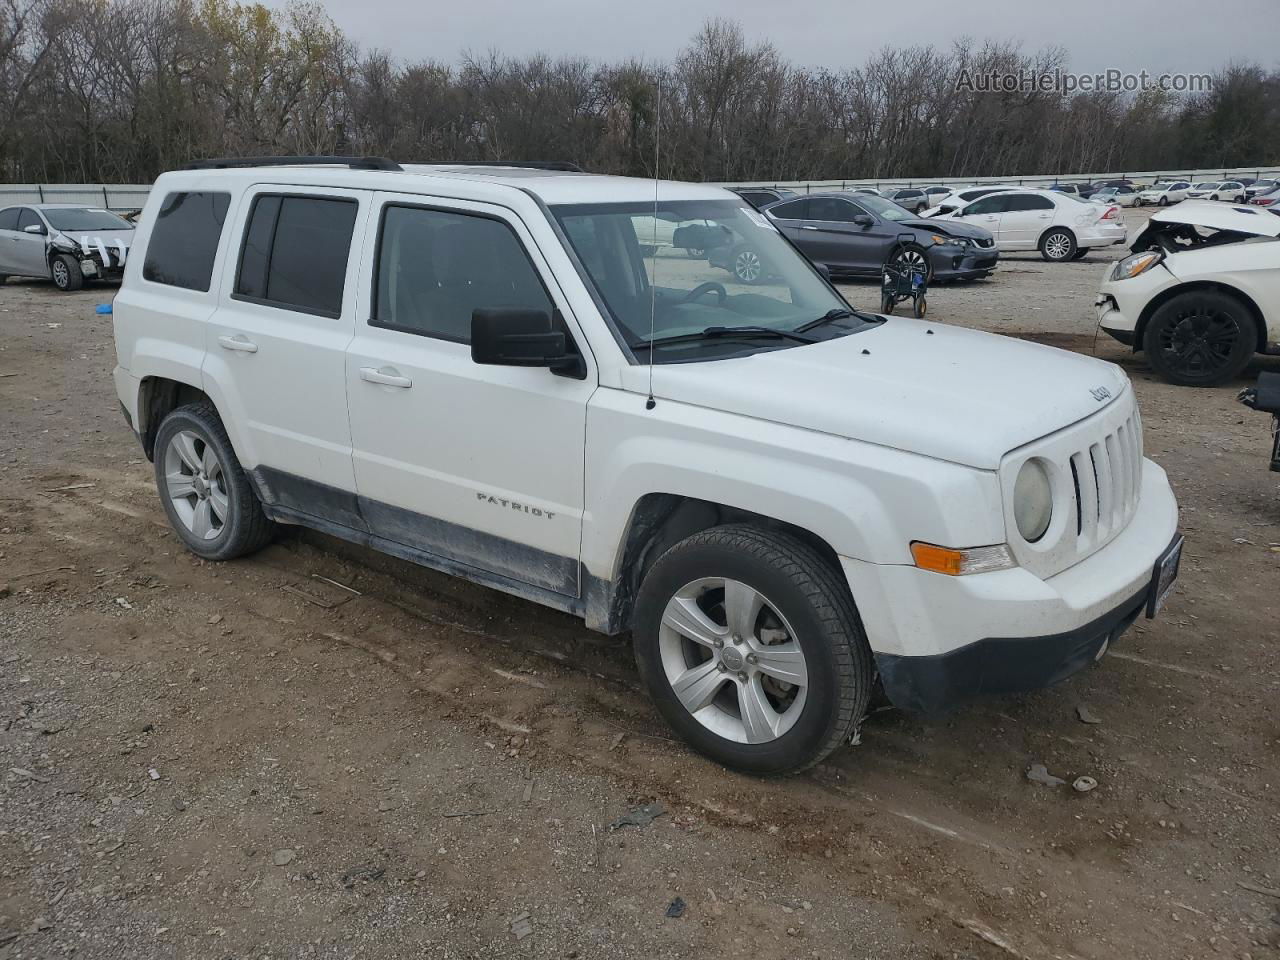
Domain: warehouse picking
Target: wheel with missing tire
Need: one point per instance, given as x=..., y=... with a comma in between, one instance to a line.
x=750, y=645
x=205, y=492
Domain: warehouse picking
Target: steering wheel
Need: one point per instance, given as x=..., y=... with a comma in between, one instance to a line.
x=707, y=287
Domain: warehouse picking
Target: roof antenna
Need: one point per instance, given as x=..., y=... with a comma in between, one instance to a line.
x=650, y=403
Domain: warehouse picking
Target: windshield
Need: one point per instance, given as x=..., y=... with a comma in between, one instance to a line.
x=701, y=264
x=83, y=218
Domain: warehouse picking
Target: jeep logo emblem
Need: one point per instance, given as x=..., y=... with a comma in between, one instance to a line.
x=1100, y=393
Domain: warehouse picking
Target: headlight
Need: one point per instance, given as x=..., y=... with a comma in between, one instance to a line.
x=1032, y=501
x=938, y=238
x=1130, y=267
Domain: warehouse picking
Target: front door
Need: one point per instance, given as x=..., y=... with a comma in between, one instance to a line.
x=985, y=212
x=847, y=247
x=25, y=252
x=481, y=466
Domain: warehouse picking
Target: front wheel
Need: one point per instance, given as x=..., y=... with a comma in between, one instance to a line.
x=748, y=267
x=66, y=273
x=206, y=495
x=886, y=304
x=752, y=650
x=1200, y=338
x=914, y=257
x=1058, y=245
x=1164, y=201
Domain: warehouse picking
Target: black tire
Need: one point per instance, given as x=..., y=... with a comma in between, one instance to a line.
x=747, y=266
x=1061, y=242
x=65, y=273
x=809, y=593
x=912, y=255
x=1164, y=201
x=920, y=306
x=246, y=529
x=886, y=304
x=1200, y=338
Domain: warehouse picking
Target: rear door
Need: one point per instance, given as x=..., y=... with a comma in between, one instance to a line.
x=276, y=346
x=8, y=241
x=1025, y=216
x=477, y=465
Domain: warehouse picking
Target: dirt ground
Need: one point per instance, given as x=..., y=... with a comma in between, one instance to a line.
x=317, y=752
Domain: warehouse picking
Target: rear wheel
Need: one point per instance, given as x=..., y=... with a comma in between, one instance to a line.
x=1200, y=338
x=1058, y=245
x=206, y=495
x=66, y=273
x=750, y=645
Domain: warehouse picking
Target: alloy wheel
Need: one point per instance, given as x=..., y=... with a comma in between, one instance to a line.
x=196, y=485
x=747, y=266
x=61, y=276
x=1200, y=342
x=732, y=660
x=1058, y=246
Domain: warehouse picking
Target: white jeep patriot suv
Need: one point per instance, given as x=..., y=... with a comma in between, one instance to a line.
x=513, y=374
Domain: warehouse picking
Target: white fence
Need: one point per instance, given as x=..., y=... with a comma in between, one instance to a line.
x=113, y=196
x=116, y=196
x=1139, y=176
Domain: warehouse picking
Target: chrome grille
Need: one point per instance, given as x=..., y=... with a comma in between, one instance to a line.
x=1107, y=476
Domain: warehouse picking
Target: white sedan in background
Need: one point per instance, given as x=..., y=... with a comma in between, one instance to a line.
x=958, y=198
x=1230, y=190
x=1164, y=193
x=1060, y=225
x=1122, y=196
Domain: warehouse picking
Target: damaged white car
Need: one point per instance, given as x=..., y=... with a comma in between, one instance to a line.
x=1200, y=292
x=65, y=243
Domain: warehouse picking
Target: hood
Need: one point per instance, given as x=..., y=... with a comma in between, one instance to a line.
x=945, y=392
x=951, y=228
x=1258, y=221
x=111, y=246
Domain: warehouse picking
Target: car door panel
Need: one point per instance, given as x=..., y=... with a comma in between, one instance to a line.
x=28, y=249
x=843, y=246
x=280, y=367
x=479, y=465
x=1020, y=227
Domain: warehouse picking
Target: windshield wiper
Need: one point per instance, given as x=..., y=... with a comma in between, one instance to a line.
x=839, y=313
x=744, y=332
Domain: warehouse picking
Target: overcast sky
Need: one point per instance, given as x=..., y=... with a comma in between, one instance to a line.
x=1173, y=36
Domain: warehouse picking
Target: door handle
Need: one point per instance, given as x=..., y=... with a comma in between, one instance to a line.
x=805, y=226
x=238, y=342
x=385, y=376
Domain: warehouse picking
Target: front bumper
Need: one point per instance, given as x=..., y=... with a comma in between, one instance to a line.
x=1120, y=303
x=939, y=640
x=954, y=262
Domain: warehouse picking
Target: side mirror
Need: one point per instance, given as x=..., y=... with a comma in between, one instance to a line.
x=522, y=338
x=36, y=228
x=862, y=220
x=823, y=269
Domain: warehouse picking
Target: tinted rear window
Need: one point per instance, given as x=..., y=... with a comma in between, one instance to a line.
x=184, y=240
x=295, y=252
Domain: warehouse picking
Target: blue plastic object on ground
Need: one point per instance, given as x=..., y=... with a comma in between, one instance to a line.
x=102, y=308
